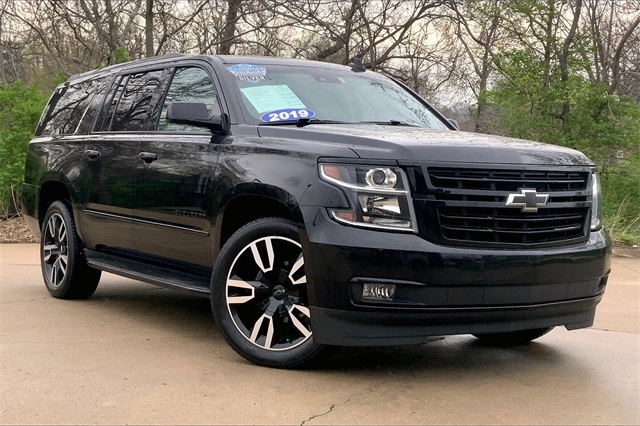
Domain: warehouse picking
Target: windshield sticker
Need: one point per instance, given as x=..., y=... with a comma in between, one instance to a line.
x=272, y=98
x=287, y=114
x=250, y=73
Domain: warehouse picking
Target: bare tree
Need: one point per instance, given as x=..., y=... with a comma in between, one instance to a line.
x=82, y=34
x=443, y=46
x=614, y=42
x=477, y=26
x=338, y=31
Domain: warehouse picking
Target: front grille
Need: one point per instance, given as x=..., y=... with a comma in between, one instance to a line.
x=508, y=180
x=470, y=206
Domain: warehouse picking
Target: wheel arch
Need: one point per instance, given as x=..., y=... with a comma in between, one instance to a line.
x=51, y=191
x=248, y=202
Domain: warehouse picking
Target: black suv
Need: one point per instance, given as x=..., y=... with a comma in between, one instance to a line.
x=314, y=204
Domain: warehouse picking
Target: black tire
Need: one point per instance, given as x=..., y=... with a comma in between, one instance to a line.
x=513, y=338
x=65, y=273
x=259, y=295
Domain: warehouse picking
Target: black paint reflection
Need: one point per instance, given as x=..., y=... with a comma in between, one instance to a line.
x=135, y=110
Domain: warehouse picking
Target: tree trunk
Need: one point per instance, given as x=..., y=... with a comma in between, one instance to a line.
x=564, y=56
x=148, y=29
x=228, y=34
x=3, y=75
x=548, y=43
x=615, y=65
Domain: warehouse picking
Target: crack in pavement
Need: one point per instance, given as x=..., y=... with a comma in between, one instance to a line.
x=613, y=331
x=333, y=406
x=20, y=301
x=22, y=264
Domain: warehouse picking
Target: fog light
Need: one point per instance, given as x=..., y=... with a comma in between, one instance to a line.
x=378, y=291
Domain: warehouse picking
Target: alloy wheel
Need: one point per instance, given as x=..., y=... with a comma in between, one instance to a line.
x=55, y=250
x=266, y=294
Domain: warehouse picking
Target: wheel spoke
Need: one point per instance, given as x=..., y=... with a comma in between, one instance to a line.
x=255, y=332
x=240, y=284
x=62, y=262
x=258, y=258
x=296, y=267
x=296, y=322
x=53, y=275
x=62, y=233
x=49, y=251
x=51, y=227
x=59, y=271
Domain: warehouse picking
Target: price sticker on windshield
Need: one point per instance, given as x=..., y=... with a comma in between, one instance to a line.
x=288, y=114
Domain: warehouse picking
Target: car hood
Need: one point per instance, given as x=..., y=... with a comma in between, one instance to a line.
x=417, y=145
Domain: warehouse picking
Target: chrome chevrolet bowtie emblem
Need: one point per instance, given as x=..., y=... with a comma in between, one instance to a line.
x=528, y=199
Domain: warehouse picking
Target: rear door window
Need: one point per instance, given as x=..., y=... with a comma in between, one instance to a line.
x=137, y=108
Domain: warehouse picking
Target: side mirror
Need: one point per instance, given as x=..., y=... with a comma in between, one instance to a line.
x=454, y=123
x=196, y=114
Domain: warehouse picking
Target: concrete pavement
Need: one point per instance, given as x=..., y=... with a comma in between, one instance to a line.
x=134, y=354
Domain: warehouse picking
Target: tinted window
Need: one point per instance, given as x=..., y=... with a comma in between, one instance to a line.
x=137, y=108
x=84, y=127
x=67, y=107
x=189, y=85
x=111, y=101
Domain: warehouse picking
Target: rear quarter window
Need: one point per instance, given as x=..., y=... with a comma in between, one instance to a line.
x=67, y=107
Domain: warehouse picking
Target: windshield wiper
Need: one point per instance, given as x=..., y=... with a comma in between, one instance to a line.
x=301, y=122
x=389, y=123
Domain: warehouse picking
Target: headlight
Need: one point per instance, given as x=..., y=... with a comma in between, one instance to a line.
x=379, y=196
x=596, y=203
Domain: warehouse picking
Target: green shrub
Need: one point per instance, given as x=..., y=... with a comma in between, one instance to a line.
x=604, y=127
x=20, y=109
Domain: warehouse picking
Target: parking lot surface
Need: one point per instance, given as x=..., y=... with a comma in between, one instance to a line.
x=138, y=354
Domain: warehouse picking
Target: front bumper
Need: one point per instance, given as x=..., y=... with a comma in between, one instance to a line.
x=443, y=290
x=357, y=328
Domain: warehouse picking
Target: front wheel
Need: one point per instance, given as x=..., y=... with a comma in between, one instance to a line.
x=513, y=338
x=259, y=295
x=65, y=273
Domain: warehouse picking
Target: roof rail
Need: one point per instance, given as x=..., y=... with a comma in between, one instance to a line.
x=155, y=58
x=134, y=62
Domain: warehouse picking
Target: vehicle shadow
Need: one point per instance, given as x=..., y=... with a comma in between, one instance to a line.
x=185, y=314
x=155, y=307
x=451, y=352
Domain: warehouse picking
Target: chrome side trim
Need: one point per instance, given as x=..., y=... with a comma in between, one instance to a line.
x=116, y=216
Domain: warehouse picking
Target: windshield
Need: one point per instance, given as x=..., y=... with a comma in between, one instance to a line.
x=277, y=94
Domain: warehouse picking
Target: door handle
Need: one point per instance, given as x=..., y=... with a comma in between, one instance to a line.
x=148, y=157
x=92, y=153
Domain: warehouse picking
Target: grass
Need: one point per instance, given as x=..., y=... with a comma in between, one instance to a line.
x=623, y=231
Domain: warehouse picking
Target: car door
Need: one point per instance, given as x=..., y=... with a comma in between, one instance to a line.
x=174, y=173
x=108, y=180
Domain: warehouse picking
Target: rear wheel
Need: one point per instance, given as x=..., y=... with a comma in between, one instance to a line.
x=259, y=295
x=65, y=273
x=513, y=338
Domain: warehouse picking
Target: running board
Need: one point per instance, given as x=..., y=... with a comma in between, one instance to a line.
x=164, y=277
